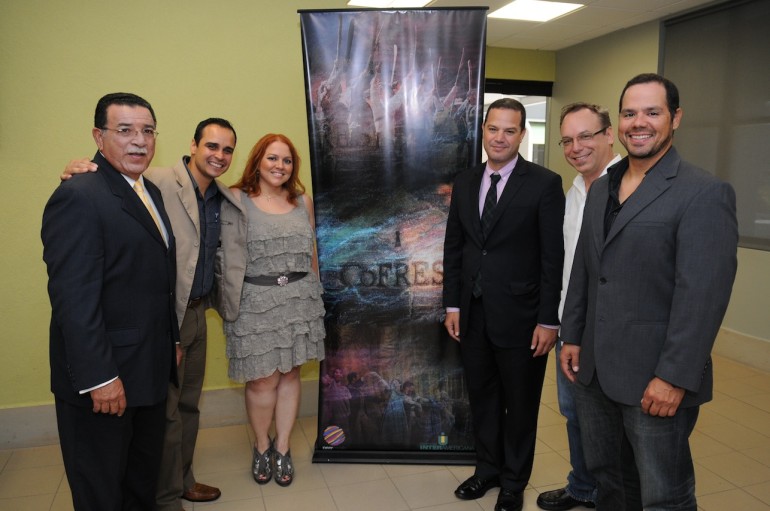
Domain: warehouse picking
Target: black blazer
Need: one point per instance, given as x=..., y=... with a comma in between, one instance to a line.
x=520, y=261
x=111, y=284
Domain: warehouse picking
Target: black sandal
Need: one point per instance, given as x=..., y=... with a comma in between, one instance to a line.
x=283, y=467
x=261, y=466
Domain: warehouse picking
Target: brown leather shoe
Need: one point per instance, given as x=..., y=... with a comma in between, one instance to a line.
x=200, y=492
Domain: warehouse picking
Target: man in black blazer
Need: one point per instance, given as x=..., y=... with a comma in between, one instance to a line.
x=652, y=277
x=502, y=280
x=111, y=268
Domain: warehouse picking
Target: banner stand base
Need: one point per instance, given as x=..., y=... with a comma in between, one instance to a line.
x=396, y=457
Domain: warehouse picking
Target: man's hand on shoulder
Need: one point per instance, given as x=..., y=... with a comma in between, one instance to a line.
x=661, y=398
x=78, y=167
x=110, y=399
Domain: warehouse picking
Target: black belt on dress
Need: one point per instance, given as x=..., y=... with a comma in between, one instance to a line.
x=275, y=280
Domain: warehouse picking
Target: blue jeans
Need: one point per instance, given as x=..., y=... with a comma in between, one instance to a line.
x=660, y=447
x=581, y=485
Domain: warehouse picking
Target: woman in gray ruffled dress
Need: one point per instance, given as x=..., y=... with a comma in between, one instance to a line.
x=280, y=323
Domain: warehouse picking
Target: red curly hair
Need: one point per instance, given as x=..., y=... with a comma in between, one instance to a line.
x=249, y=181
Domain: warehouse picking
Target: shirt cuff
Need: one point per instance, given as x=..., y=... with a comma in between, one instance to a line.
x=453, y=309
x=98, y=386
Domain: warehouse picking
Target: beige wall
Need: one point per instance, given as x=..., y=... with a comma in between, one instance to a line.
x=508, y=64
x=194, y=59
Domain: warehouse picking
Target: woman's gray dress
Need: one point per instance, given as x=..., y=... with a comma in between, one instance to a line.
x=278, y=327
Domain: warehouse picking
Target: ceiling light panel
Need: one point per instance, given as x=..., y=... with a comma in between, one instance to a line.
x=534, y=10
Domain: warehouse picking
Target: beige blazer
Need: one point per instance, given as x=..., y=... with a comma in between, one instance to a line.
x=182, y=208
x=232, y=255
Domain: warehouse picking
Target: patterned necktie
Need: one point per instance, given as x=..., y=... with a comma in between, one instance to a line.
x=489, y=205
x=140, y=192
x=486, y=222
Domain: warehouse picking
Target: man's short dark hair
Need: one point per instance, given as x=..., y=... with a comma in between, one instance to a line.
x=509, y=104
x=216, y=121
x=672, y=93
x=601, y=112
x=118, y=98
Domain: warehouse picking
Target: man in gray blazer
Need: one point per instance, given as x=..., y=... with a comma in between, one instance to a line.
x=651, y=280
x=193, y=197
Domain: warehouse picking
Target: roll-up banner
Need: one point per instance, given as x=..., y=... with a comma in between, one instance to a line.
x=394, y=101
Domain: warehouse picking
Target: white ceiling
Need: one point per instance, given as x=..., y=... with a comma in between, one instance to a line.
x=597, y=18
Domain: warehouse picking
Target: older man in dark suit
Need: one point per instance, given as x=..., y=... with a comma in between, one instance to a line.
x=503, y=257
x=652, y=276
x=109, y=250
x=193, y=197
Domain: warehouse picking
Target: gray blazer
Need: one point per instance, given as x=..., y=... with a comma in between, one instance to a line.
x=649, y=299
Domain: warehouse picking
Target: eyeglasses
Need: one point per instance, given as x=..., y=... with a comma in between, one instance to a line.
x=147, y=133
x=582, y=138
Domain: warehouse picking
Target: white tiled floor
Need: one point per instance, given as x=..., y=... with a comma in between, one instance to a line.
x=731, y=448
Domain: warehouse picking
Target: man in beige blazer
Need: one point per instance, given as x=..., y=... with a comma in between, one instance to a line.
x=194, y=208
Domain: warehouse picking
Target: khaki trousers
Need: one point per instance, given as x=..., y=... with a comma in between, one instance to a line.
x=182, y=413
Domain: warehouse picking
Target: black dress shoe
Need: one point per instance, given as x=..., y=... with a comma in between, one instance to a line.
x=475, y=487
x=509, y=500
x=560, y=500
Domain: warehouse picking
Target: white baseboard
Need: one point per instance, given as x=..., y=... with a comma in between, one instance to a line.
x=29, y=426
x=33, y=426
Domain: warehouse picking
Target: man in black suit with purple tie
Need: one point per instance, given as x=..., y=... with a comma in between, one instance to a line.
x=503, y=256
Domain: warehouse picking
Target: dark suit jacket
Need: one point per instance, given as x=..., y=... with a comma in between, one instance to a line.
x=649, y=299
x=521, y=259
x=111, y=284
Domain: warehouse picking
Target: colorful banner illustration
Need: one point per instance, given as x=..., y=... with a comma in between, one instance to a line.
x=394, y=112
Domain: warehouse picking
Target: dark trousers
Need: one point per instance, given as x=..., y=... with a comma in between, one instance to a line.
x=617, y=437
x=182, y=412
x=504, y=387
x=111, y=462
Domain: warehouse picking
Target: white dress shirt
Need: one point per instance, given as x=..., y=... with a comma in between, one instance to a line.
x=573, y=219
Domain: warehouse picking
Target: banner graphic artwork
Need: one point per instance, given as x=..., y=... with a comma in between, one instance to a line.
x=394, y=106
